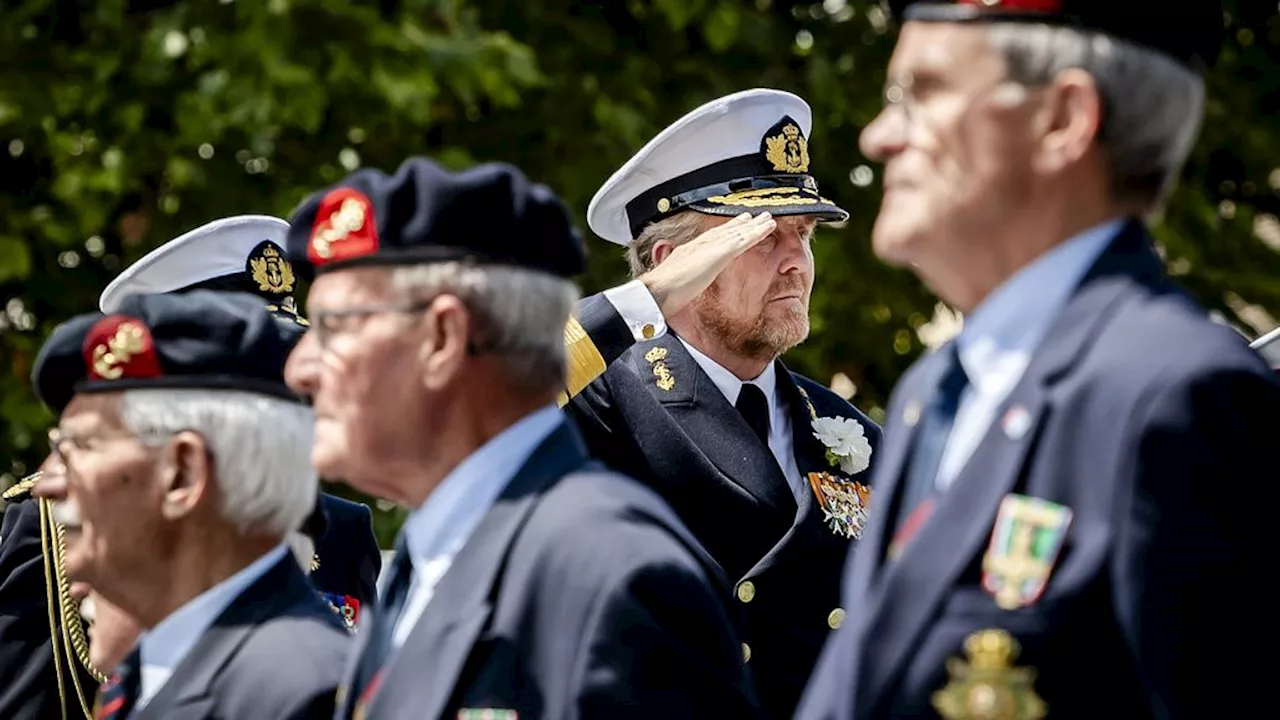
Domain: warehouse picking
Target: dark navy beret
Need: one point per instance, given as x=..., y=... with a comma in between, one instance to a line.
x=203, y=339
x=488, y=214
x=1190, y=32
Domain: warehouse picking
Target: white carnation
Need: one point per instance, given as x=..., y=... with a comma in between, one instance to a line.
x=846, y=443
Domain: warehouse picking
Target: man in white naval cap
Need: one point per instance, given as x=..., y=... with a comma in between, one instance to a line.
x=245, y=253
x=675, y=376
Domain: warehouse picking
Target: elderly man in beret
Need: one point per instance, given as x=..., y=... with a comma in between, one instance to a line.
x=528, y=581
x=1057, y=530
x=245, y=253
x=178, y=470
x=52, y=653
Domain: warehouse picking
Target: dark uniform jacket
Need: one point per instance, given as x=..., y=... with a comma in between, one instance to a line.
x=40, y=678
x=274, y=654
x=347, y=561
x=578, y=595
x=1104, y=506
x=655, y=415
x=44, y=661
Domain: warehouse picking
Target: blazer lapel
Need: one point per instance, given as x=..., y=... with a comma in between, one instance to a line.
x=431, y=660
x=188, y=691
x=898, y=438
x=911, y=588
x=712, y=425
x=810, y=453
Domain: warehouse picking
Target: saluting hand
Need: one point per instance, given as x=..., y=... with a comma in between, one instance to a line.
x=693, y=266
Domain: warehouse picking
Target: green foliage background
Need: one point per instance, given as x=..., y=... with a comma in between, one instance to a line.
x=124, y=123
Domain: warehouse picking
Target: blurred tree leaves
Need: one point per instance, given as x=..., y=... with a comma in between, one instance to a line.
x=124, y=123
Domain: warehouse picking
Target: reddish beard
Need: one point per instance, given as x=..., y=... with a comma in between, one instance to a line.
x=764, y=336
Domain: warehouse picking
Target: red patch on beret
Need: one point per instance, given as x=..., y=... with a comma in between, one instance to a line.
x=344, y=227
x=118, y=348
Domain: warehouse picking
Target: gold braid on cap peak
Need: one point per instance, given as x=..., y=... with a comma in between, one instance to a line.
x=63, y=610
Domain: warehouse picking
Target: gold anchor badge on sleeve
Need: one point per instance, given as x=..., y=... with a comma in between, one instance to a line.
x=988, y=687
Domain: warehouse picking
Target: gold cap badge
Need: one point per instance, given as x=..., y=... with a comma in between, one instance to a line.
x=270, y=270
x=787, y=150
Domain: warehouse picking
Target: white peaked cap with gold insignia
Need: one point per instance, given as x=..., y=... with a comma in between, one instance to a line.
x=1268, y=346
x=244, y=252
x=745, y=152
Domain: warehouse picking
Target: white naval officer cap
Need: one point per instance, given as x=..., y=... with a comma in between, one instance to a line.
x=745, y=152
x=244, y=253
x=1268, y=346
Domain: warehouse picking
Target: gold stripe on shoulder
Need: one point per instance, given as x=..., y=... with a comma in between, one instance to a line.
x=22, y=487
x=584, y=359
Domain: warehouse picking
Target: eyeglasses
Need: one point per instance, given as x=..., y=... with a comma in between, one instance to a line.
x=904, y=96
x=63, y=446
x=327, y=323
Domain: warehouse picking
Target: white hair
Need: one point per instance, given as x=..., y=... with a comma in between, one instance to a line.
x=260, y=447
x=520, y=314
x=1152, y=104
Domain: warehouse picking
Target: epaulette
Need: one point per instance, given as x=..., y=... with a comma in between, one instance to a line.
x=65, y=623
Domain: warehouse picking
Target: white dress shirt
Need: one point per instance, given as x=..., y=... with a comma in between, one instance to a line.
x=638, y=309
x=166, y=645
x=1000, y=336
x=780, y=441
x=435, y=532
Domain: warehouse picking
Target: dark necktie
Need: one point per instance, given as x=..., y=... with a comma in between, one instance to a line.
x=755, y=410
x=936, y=421
x=389, y=605
x=118, y=694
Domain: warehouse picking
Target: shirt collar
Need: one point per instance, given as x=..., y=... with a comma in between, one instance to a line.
x=729, y=383
x=444, y=522
x=167, y=644
x=1010, y=323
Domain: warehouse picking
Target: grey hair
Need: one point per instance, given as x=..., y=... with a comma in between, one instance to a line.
x=1152, y=105
x=520, y=314
x=676, y=230
x=260, y=446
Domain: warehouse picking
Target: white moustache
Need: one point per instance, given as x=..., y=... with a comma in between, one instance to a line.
x=66, y=513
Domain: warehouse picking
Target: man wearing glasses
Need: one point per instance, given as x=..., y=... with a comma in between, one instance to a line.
x=178, y=469
x=245, y=253
x=1060, y=528
x=528, y=581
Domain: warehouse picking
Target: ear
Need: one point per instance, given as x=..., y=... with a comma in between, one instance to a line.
x=188, y=474
x=443, y=354
x=661, y=250
x=1069, y=122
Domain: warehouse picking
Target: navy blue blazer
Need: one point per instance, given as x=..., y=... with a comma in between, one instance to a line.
x=39, y=677
x=274, y=654
x=1144, y=420
x=579, y=595
x=347, y=559
x=655, y=415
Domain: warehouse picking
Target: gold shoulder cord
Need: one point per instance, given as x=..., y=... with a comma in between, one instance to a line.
x=53, y=619
x=585, y=363
x=53, y=543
